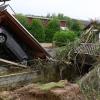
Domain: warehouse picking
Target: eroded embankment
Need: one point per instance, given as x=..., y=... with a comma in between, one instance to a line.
x=52, y=91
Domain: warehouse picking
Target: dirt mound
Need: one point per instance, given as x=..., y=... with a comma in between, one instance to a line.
x=53, y=91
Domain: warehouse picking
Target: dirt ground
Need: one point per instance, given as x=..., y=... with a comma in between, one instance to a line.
x=67, y=91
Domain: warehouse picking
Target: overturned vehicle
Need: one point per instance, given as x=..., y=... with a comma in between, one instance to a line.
x=16, y=43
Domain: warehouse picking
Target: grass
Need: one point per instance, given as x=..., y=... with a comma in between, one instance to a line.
x=90, y=84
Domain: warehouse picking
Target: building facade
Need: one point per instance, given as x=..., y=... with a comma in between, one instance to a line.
x=45, y=20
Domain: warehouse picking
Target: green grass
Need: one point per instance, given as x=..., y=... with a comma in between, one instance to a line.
x=90, y=84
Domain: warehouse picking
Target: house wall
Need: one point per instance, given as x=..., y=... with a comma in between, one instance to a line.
x=29, y=20
x=97, y=37
x=63, y=23
x=44, y=21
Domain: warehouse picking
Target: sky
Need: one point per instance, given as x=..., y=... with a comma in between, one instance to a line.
x=79, y=9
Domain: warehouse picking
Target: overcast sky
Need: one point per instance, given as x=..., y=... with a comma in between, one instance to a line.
x=82, y=9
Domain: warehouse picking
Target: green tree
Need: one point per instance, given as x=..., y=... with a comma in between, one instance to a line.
x=23, y=20
x=52, y=27
x=48, y=15
x=62, y=37
x=60, y=16
x=76, y=26
x=37, y=30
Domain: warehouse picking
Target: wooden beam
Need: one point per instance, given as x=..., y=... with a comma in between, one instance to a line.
x=7, y=62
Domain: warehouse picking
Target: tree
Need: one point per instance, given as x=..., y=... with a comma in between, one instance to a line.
x=37, y=30
x=48, y=15
x=23, y=20
x=52, y=27
x=62, y=37
x=62, y=17
x=76, y=26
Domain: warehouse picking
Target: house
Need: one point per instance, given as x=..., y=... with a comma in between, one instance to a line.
x=88, y=50
x=90, y=40
x=16, y=43
x=45, y=20
x=93, y=27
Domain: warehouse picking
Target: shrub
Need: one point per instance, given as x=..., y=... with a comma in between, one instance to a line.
x=62, y=37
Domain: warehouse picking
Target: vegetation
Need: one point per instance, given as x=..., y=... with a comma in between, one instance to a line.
x=37, y=30
x=61, y=38
x=76, y=26
x=52, y=27
x=46, y=33
x=72, y=24
x=65, y=66
x=90, y=84
x=23, y=20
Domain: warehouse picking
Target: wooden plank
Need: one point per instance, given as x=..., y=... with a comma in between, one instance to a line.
x=7, y=62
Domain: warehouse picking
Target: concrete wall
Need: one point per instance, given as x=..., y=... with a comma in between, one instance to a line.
x=11, y=81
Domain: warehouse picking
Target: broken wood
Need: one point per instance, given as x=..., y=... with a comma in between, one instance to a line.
x=7, y=62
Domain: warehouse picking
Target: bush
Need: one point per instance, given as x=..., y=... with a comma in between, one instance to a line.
x=37, y=30
x=62, y=37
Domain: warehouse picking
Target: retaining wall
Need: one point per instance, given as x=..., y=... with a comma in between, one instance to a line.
x=19, y=79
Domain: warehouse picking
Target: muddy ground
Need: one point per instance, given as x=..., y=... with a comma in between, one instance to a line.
x=62, y=90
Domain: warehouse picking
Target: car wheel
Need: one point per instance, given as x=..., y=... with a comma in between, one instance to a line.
x=3, y=38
